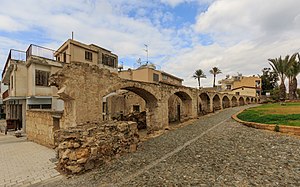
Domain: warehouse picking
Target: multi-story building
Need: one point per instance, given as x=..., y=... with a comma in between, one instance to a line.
x=26, y=75
x=148, y=73
x=241, y=85
x=73, y=50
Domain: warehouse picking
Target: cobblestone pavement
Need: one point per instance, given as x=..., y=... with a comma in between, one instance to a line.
x=213, y=151
x=23, y=163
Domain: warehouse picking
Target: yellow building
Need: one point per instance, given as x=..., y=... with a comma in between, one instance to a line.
x=148, y=73
x=75, y=51
x=241, y=85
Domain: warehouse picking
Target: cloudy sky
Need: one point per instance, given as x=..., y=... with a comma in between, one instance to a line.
x=182, y=35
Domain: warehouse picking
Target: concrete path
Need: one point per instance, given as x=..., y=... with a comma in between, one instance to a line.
x=23, y=163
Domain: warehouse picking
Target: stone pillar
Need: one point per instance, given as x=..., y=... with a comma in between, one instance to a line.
x=211, y=105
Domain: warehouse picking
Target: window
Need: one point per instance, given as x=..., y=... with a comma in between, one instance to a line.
x=136, y=108
x=41, y=77
x=155, y=77
x=64, y=57
x=228, y=87
x=12, y=82
x=164, y=77
x=88, y=56
x=39, y=106
x=58, y=58
x=237, y=93
x=108, y=60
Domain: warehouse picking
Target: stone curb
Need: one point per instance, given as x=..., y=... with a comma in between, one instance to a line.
x=271, y=127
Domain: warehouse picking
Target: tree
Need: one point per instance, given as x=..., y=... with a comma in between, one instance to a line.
x=292, y=73
x=215, y=71
x=280, y=67
x=268, y=80
x=198, y=75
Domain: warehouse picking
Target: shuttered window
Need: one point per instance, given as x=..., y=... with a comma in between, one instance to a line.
x=41, y=78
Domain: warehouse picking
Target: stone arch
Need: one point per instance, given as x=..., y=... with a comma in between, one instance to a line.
x=255, y=100
x=234, y=101
x=258, y=100
x=225, y=102
x=241, y=101
x=247, y=100
x=252, y=100
x=151, y=101
x=216, y=102
x=179, y=106
x=204, y=104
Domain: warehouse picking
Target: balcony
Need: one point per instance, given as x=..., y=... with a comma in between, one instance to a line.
x=15, y=55
x=39, y=51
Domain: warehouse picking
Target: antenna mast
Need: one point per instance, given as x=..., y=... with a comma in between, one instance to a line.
x=146, y=52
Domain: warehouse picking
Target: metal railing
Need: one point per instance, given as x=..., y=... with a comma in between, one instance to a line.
x=14, y=55
x=39, y=51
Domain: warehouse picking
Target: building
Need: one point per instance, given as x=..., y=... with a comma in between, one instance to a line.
x=149, y=73
x=241, y=85
x=26, y=76
x=73, y=50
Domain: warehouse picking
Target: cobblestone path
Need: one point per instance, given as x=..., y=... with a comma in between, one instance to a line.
x=213, y=151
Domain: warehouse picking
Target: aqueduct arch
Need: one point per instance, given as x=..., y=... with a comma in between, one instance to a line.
x=234, y=101
x=241, y=101
x=204, y=104
x=179, y=106
x=247, y=100
x=216, y=102
x=225, y=102
x=83, y=96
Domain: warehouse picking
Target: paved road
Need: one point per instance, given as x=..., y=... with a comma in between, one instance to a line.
x=213, y=151
x=23, y=163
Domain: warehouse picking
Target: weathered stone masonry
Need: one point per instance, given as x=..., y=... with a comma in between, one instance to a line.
x=86, y=140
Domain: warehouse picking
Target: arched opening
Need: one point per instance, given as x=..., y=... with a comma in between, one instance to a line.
x=234, y=101
x=252, y=100
x=225, y=102
x=130, y=104
x=241, y=101
x=255, y=100
x=179, y=107
x=247, y=100
x=216, y=103
x=258, y=100
x=204, y=104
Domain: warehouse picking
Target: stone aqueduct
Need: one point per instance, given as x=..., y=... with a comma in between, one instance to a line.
x=83, y=86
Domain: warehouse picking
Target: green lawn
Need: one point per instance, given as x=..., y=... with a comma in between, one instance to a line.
x=288, y=114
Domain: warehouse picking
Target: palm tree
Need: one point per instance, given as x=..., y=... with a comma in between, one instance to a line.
x=280, y=67
x=198, y=75
x=292, y=73
x=215, y=71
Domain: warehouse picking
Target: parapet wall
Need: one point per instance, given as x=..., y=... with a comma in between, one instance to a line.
x=85, y=146
x=40, y=126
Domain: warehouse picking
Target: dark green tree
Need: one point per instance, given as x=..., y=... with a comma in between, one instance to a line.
x=268, y=80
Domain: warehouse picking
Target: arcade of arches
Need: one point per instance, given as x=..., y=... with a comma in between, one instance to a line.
x=98, y=95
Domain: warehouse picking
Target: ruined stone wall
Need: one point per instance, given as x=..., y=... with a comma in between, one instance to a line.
x=40, y=126
x=92, y=144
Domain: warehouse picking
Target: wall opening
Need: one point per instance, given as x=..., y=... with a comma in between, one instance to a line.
x=204, y=104
x=179, y=107
x=225, y=102
x=216, y=103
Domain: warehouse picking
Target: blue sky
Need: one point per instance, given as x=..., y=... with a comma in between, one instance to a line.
x=182, y=35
